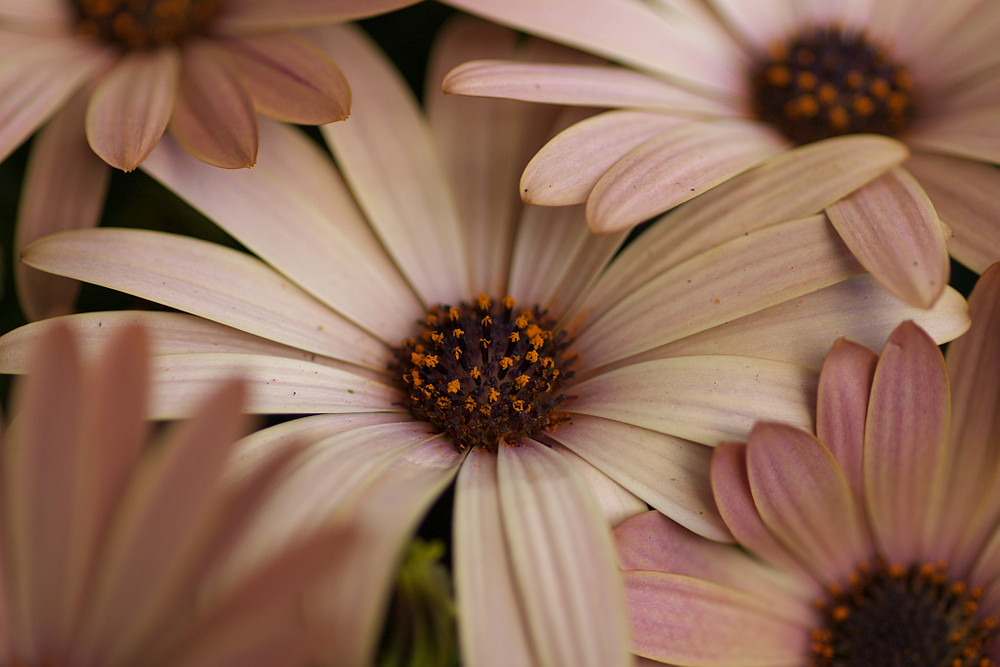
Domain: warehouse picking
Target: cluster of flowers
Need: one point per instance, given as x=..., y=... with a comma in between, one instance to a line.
x=725, y=437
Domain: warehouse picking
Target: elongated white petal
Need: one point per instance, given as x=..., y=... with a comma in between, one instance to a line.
x=616, y=502
x=256, y=16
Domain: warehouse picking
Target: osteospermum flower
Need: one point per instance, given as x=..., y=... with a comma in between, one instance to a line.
x=875, y=544
x=109, y=77
x=445, y=333
x=117, y=548
x=710, y=88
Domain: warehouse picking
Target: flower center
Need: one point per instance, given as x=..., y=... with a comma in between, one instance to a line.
x=137, y=24
x=828, y=82
x=483, y=373
x=902, y=617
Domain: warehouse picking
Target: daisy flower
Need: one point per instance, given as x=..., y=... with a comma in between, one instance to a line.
x=446, y=334
x=115, y=547
x=707, y=89
x=873, y=543
x=107, y=78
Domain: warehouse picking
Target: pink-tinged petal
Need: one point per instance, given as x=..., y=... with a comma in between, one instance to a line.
x=60, y=154
x=386, y=515
x=732, y=280
x=906, y=448
x=256, y=16
x=962, y=193
x=893, y=230
x=652, y=542
x=387, y=155
x=974, y=373
x=209, y=280
x=760, y=24
x=687, y=621
x=565, y=170
x=793, y=184
x=214, y=118
x=37, y=80
x=493, y=630
x=615, y=501
x=41, y=482
x=801, y=331
x=581, y=85
x=673, y=167
x=276, y=385
x=706, y=399
x=289, y=79
x=669, y=473
x=972, y=135
x=563, y=559
x=805, y=500
x=322, y=241
x=632, y=32
x=731, y=484
x=40, y=13
x=845, y=382
x=130, y=107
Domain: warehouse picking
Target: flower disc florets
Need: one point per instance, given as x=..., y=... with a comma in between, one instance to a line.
x=136, y=24
x=483, y=374
x=898, y=616
x=827, y=82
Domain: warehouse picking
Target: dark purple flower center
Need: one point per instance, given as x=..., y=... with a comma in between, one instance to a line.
x=483, y=372
x=137, y=24
x=902, y=616
x=827, y=82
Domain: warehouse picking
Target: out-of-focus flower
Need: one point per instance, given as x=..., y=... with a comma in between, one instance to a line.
x=111, y=76
x=115, y=549
x=444, y=331
x=708, y=89
x=875, y=544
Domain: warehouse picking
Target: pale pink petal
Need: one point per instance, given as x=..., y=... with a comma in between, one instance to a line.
x=290, y=79
x=565, y=170
x=973, y=135
x=129, y=110
x=209, y=280
x=276, y=385
x=60, y=154
x=731, y=484
x=582, y=85
x=651, y=541
x=615, y=501
x=294, y=211
x=689, y=621
x=41, y=482
x=805, y=500
x=802, y=330
x=35, y=81
x=773, y=192
x=387, y=155
x=743, y=276
x=906, y=447
x=493, y=631
x=669, y=473
x=51, y=13
x=962, y=192
x=674, y=167
x=845, y=382
x=213, y=117
x=706, y=399
x=563, y=559
x=256, y=16
x=759, y=24
x=893, y=230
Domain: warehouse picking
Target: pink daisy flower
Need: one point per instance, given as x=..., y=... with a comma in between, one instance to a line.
x=107, y=78
x=708, y=89
x=876, y=542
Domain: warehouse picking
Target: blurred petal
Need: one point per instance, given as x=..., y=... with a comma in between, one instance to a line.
x=59, y=154
x=973, y=135
x=673, y=167
x=891, y=227
x=289, y=79
x=563, y=559
x=906, y=447
x=214, y=118
x=129, y=110
x=255, y=16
